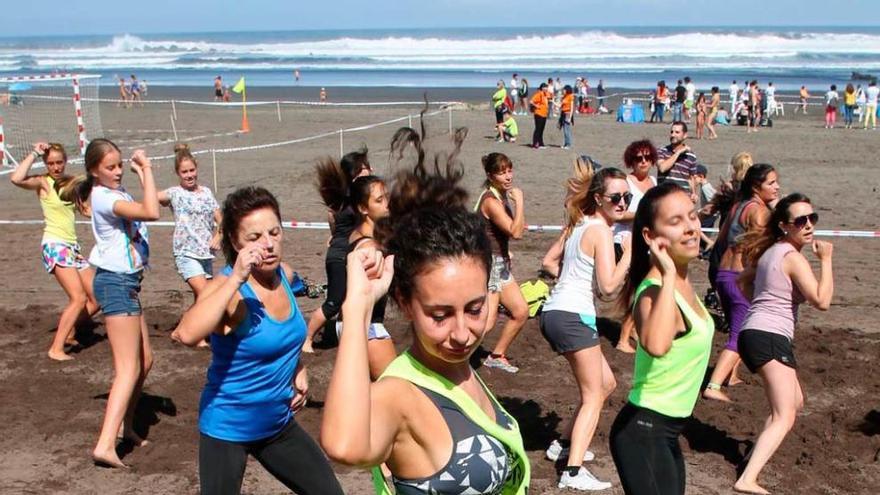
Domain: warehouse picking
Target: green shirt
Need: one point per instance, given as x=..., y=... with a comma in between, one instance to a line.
x=670, y=384
x=510, y=127
x=499, y=97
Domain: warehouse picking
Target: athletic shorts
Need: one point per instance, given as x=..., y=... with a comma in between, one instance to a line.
x=499, y=115
x=64, y=254
x=757, y=348
x=569, y=332
x=376, y=331
x=193, y=267
x=218, y=93
x=500, y=274
x=118, y=294
x=689, y=104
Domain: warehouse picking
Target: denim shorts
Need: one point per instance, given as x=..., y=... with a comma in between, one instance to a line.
x=193, y=267
x=118, y=294
x=500, y=274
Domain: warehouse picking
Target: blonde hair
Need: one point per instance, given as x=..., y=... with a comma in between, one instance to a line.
x=739, y=165
x=582, y=188
x=181, y=153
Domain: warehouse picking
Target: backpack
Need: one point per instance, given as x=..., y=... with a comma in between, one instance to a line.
x=535, y=292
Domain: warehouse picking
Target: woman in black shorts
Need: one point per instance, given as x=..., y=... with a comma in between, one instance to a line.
x=780, y=279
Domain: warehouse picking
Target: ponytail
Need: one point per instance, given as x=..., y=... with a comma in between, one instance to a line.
x=583, y=187
x=756, y=241
x=78, y=189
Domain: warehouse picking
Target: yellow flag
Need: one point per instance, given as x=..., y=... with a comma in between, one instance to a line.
x=239, y=86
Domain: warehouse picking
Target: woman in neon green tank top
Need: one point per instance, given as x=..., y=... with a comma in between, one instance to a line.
x=675, y=337
x=429, y=418
x=61, y=252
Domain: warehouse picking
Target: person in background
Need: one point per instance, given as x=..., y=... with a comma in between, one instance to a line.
x=770, y=93
x=600, y=95
x=678, y=104
x=660, y=95
x=513, y=93
x=701, y=114
x=498, y=98
x=551, y=98
x=861, y=101
x=849, y=105
x=135, y=90
x=714, y=106
x=322, y=96
x=523, y=96
x=676, y=162
x=540, y=105
x=690, y=92
x=832, y=101
x=124, y=94
x=218, y=88
x=804, y=95
x=733, y=94
x=510, y=129
x=705, y=193
x=871, y=95
x=566, y=116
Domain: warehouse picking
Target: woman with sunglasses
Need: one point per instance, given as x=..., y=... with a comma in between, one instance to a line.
x=61, y=251
x=638, y=157
x=780, y=278
x=343, y=219
x=759, y=189
x=568, y=320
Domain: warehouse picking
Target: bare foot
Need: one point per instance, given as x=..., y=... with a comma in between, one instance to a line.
x=716, y=395
x=203, y=343
x=626, y=348
x=307, y=348
x=752, y=488
x=107, y=459
x=59, y=356
x=71, y=341
x=733, y=380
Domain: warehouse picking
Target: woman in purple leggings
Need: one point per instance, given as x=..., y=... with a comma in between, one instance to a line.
x=759, y=189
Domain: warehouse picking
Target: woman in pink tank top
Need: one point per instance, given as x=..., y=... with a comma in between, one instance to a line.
x=779, y=278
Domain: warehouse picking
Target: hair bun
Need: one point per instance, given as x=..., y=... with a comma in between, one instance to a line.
x=181, y=147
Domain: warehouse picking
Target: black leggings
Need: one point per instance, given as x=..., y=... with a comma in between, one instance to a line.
x=644, y=445
x=538, y=136
x=335, y=264
x=291, y=456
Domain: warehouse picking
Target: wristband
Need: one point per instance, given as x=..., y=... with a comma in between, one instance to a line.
x=36, y=154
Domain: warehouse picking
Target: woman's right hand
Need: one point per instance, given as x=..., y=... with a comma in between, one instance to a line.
x=41, y=147
x=369, y=274
x=659, y=251
x=140, y=162
x=823, y=249
x=249, y=256
x=515, y=194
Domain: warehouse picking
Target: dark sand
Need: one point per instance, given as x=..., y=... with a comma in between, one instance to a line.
x=52, y=411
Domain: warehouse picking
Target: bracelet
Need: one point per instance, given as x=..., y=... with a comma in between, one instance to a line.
x=36, y=154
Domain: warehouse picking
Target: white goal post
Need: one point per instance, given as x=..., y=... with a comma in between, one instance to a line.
x=60, y=108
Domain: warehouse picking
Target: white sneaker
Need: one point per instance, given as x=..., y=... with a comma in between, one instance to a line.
x=556, y=451
x=584, y=481
x=500, y=363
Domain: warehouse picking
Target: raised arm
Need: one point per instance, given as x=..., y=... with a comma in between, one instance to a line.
x=361, y=420
x=19, y=176
x=817, y=292
x=220, y=305
x=609, y=274
x=656, y=312
x=148, y=209
x=495, y=212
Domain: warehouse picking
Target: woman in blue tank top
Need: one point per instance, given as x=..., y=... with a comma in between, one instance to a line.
x=256, y=381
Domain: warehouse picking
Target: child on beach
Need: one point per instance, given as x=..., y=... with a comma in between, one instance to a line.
x=509, y=128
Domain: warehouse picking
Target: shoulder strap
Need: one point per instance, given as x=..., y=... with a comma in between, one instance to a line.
x=408, y=368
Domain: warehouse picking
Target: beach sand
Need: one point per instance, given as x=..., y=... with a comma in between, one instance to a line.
x=52, y=411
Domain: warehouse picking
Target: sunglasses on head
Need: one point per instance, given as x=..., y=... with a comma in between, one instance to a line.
x=801, y=221
x=616, y=197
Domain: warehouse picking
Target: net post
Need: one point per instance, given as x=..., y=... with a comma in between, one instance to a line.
x=80, y=125
x=278, y=107
x=341, y=145
x=214, y=165
x=173, y=127
x=173, y=109
x=449, y=110
x=3, y=159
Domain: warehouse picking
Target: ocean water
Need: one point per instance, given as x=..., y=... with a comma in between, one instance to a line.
x=631, y=57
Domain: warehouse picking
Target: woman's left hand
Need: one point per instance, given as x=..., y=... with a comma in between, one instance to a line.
x=215, y=242
x=300, y=389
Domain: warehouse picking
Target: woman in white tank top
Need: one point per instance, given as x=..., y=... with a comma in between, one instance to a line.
x=568, y=321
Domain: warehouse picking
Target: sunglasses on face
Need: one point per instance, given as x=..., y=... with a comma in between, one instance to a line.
x=801, y=221
x=616, y=197
x=643, y=158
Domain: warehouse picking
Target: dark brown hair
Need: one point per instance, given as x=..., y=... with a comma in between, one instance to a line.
x=637, y=147
x=239, y=204
x=78, y=189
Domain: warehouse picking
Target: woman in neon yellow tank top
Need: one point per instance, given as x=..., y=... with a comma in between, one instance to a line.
x=430, y=418
x=61, y=252
x=675, y=337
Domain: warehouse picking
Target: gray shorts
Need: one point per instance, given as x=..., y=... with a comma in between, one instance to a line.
x=500, y=274
x=569, y=332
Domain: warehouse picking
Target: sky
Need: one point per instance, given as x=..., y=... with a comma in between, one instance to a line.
x=55, y=17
